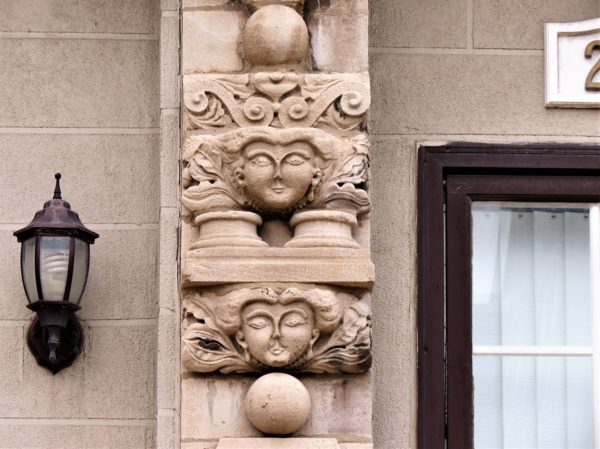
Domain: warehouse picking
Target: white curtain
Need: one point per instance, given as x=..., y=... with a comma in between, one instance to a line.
x=532, y=288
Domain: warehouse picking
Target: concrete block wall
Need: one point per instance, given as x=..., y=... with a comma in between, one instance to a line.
x=338, y=35
x=445, y=70
x=79, y=86
x=215, y=27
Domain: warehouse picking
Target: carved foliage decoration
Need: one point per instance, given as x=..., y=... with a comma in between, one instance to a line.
x=281, y=100
x=314, y=330
x=275, y=170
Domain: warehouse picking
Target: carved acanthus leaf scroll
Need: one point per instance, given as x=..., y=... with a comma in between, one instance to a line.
x=314, y=330
x=205, y=348
x=281, y=100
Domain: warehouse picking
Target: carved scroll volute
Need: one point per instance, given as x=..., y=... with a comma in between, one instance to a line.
x=313, y=330
x=339, y=104
x=215, y=103
x=277, y=99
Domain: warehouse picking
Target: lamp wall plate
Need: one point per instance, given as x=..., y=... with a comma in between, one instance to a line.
x=71, y=344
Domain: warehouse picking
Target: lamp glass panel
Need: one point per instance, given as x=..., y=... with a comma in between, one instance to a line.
x=28, y=269
x=80, y=270
x=54, y=266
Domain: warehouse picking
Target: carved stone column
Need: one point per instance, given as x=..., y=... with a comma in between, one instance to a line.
x=276, y=272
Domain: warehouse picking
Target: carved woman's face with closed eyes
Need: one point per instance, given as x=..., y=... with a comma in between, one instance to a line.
x=277, y=177
x=275, y=334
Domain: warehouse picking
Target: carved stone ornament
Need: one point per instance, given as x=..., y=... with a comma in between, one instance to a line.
x=315, y=330
x=275, y=36
x=275, y=171
x=253, y=5
x=281, y=100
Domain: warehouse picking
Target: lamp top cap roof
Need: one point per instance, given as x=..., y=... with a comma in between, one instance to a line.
x=56, y=218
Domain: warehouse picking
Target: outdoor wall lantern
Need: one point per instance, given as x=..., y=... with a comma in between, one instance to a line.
x=55, y=258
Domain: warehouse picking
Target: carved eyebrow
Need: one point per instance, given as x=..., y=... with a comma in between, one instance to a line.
x=298, y=152
x=298, y=311
x=258, y=152
x=262, y=152
x=260, y=313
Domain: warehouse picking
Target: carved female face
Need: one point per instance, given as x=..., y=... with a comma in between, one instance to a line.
x=276, y=334
x=277, y=177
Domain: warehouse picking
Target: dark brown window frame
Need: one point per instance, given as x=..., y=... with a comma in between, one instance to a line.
x=451, y=176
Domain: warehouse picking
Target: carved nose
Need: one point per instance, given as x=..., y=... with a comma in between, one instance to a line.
x=277, y=174
x=275, y=335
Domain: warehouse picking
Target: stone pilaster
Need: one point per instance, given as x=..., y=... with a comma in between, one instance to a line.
x=276, y=270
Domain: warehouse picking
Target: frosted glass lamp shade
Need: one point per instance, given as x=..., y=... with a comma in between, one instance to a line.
x=53, y=262
x=28, y=269
x=81, y=263
x=54, y=268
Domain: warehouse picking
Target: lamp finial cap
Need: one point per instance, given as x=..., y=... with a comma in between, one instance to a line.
x=57, y=194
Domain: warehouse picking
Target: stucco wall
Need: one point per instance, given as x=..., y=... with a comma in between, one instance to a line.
x=79, y=91
x=445, y=70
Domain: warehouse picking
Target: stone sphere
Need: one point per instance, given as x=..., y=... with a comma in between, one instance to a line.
x=275, y=35
x=278, y=404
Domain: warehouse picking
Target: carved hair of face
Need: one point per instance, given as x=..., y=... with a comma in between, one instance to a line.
x=277, y=177
x=277, y=330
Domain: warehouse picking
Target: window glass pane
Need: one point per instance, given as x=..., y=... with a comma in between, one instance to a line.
x=532, y=326
x=531, y=274
x=533, y=402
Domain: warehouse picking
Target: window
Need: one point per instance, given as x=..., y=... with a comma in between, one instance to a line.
x=509, y=353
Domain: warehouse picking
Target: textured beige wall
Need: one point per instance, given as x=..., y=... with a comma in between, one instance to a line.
x=445, y=70
x=79, y=88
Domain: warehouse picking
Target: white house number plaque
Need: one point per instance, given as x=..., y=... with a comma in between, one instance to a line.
x=573, y=64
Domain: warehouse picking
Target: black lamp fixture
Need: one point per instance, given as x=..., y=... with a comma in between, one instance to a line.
x=55, y=259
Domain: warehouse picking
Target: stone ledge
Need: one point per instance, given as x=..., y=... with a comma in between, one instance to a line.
x=337, y=266
x=278, y=443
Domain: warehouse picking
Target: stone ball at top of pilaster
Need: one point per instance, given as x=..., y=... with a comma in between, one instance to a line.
x=275, y=35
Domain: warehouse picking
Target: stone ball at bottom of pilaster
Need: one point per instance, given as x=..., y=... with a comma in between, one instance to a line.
x=275, y=35
x=278, y=404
